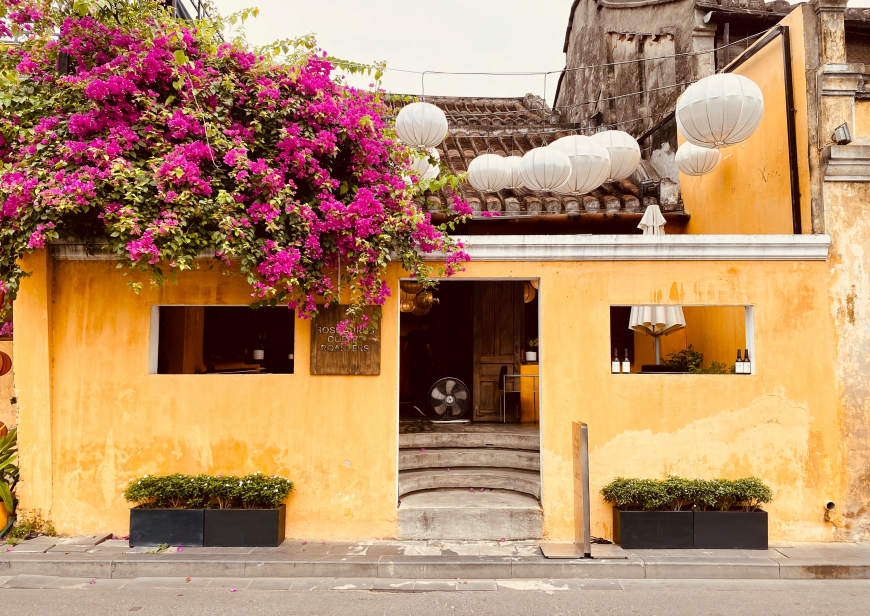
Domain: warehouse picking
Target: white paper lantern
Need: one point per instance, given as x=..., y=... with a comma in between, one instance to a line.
x=421, y=124
x=624, y=153
x=693, y=160
x=720, y=110
x=590, y=163
x=544, y=168
x=489, y=173
x=420, y=164
x=514, y=162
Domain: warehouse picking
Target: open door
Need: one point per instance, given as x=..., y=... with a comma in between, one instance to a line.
x=498, y=324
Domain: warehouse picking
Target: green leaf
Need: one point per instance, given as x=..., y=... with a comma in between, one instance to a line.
x=6, y=497
x=180, y=57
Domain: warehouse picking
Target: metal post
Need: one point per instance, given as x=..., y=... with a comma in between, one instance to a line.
x=582, y=521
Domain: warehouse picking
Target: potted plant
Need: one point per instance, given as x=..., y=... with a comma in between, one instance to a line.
x=684, y=513
x=259, y=352
x=169, y=510
x=646, y=515
x=249, y=512
x=729, y=516
x=532, y=354
x=179, y=510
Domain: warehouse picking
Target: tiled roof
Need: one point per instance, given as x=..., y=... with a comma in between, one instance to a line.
x=513, y=126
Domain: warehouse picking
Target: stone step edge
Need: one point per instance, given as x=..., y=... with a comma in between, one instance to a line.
x=422, y=567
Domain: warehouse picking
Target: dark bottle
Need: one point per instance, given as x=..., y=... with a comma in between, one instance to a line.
x=738, y=365
x=747, y=365
x=626, y=364
x=614, y=364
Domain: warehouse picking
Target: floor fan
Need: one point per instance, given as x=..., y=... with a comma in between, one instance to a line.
x=448, y=399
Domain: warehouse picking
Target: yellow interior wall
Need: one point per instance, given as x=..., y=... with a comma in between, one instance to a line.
x=715, y=331
x=862, y=119
x=750, y=192
x=110, y=421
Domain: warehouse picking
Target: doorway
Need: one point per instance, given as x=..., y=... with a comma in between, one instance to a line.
x=476, y=332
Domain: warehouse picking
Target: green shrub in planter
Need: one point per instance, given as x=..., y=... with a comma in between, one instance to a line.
x=179, y=491
x=680, y=494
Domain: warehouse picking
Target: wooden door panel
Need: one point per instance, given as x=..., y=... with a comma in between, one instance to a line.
x=498, y=310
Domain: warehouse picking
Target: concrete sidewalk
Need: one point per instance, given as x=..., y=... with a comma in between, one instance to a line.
x=95, y=557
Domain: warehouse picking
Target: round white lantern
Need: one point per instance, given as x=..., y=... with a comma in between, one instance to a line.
x=544, y=168
x=590, y=163
x=489, y=173
x=420, y=164
x=720, y=110
x=514, y=163
x=421, y=124
x=693, y=160
x=624, y=153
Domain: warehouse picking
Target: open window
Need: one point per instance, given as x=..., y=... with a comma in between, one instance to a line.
x=221, y=340
x=682, y=339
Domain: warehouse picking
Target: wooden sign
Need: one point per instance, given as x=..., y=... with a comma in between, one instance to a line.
x=329, y=355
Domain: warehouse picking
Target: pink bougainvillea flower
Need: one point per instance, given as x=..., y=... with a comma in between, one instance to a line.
x=502, y=540
x=422, y=450
x=180, y=549
x=471, y=489
x=92, y=582
x=232, y=590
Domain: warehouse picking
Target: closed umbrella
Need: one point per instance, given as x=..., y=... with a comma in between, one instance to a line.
x=655, y=321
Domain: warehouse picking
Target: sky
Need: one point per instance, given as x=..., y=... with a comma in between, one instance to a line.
x=436, y=35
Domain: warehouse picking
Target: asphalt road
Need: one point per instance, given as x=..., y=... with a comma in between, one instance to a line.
x=822, y=599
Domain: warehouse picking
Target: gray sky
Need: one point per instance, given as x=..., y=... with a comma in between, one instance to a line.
x=437, y=35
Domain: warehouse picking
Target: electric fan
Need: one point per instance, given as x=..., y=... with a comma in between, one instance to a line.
x=448, y=399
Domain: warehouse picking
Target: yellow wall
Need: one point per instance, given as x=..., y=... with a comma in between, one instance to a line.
x=862, y=119
x=109, y=421
x=749, y=192
x=112, y=421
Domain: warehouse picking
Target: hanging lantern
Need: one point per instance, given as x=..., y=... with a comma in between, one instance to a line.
x=411, y=287
x=406, y=306
x=515, y=180
x=421, y=166
x=693, y=160
x=589, y=160
x=423, y=301
x=720, y=110
x=419, y=312
x=421, y=124
x=489, y=173
x=544, y=168
x=624, y=153
x=528, y=292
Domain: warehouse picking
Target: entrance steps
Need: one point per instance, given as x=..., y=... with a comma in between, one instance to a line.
x=469, y=482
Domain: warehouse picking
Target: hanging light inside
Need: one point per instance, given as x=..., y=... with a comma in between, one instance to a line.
x=489, y=173
x=424, y=300
x=528, y=292
x=693, y=160
x=544, y=168
x=411, y=287
x=720, y=110
x=421, y=124
x=514, y=163
x=624, y=153
x=589, y=163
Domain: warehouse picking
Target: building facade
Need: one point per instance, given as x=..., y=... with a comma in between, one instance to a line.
x=97, y=407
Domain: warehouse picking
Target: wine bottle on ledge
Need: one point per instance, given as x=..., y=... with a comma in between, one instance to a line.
x=614, y=364
x=738, y=365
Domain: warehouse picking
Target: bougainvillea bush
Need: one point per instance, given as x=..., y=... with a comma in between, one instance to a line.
x=163, y=139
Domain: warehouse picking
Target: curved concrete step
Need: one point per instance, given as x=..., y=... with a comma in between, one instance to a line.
x=516, y=480
x=463, y=515
x=530, y=441
x=447, y=458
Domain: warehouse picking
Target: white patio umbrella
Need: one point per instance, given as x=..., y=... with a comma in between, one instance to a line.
x=655, y=321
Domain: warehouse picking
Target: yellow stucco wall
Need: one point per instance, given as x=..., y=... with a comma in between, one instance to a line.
x=749, y=192
x=862, y=119
x=110, y=421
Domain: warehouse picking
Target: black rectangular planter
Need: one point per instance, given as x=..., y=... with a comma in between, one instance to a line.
x=180, y=527
x=653, y=529
x=731, y=530
x=250, y=528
